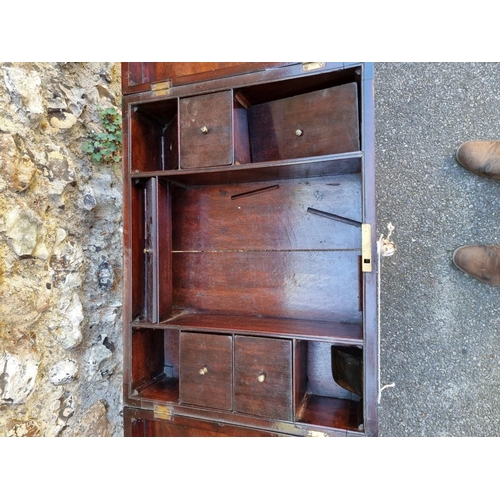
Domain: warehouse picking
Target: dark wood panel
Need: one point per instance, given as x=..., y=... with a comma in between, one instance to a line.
x=312, y=285
x=263, y=377
x=241, y=136
x=132, y=74
x=206, y=130
x=138, y=76
x=313, y=124
x=134, y=427
x=267, y=215
x=299, y=373
x=164, y=266
x=166, y=70
x=206, y=377
x=155, y=428
x=185, y=427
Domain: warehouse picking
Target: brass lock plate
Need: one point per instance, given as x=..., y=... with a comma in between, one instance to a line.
x=366, y=248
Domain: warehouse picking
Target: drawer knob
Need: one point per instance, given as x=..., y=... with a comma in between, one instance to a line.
x=298, y=132
x=261, y=377
x=203, y=371
x=204, y=130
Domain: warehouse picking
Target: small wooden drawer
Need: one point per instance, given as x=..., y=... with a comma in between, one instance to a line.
x=206, y=130
x=206, y=367
x=263, y=377
x=315, y=123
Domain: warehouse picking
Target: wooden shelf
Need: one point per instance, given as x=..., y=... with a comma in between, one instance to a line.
x=336, y=332
x=340, y=164
x=331, y=413
x=164, y=389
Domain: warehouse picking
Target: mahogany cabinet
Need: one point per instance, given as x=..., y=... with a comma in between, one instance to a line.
x=250, y=304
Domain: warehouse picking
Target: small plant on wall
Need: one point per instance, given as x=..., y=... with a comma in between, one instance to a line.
x=106, y=147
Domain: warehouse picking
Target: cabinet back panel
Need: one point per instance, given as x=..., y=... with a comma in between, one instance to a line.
x=319, y=372
x=268, y=215
x=313, y=285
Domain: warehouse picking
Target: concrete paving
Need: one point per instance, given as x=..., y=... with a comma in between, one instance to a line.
x=440, y=329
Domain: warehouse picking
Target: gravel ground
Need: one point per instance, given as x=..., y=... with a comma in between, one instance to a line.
x=440, y=329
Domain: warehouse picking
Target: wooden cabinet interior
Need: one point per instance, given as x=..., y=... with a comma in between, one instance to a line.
x=306, y=117
x=243, y=213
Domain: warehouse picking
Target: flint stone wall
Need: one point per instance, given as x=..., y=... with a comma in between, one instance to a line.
x=60, y=254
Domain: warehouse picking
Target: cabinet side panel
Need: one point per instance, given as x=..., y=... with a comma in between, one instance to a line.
x=371, y=361
x=164, y=251
x=241, y=138
x=137, y=257
x=151, y=250
x=299, y=374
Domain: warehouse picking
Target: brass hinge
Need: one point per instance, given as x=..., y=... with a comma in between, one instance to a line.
x=286, y=427
x=163, y=412
x=309, y=66
x=161, y=88
x=366, y=248
x=316, y=434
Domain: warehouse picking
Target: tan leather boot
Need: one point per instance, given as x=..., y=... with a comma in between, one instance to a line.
x=481, y=158
x=479, y=261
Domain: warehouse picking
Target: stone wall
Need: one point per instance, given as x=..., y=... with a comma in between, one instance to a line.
x=60, y=254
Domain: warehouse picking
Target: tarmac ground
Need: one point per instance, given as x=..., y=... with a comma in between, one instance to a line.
x=440, y=328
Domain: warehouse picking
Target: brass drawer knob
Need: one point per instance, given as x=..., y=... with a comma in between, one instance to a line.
x=298, y=132
x=204, y=130
x=261, y=377
x=203, y=371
